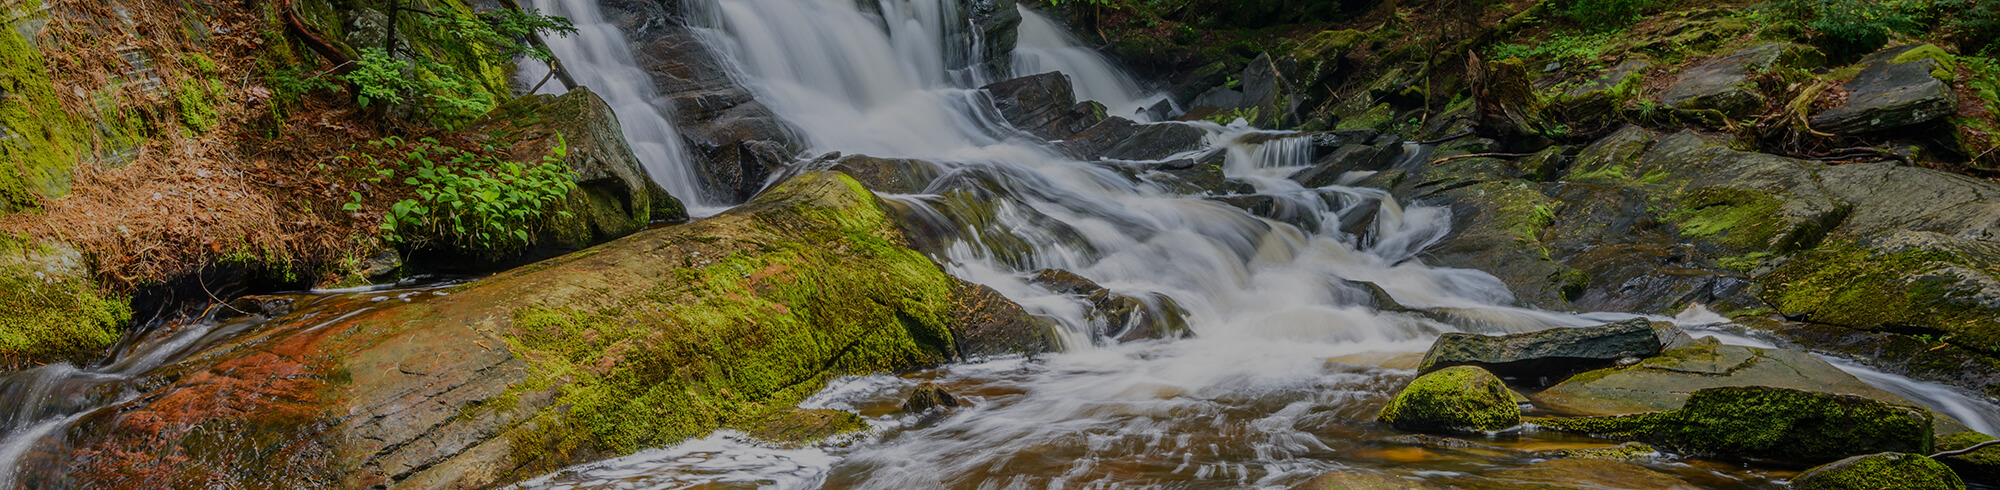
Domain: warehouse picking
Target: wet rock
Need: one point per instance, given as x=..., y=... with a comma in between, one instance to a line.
x=794, y=427
x=714, y=113
x=1348, y=158
x=1894, y=89
x=1982, y=466
x=996, y=21
x=1361, y=481
x=1724, y=84
x=1610, y=156
x=1497, y=226
x=1188, y=176
x=1766, y=423
x=990, y=325
x=1663, y=382
x=614, y=196
x=1088, y=144
x=1318, y=57
x=929, y=396
x=485, y=385
x=1156, y=141
x=1119, y=317
x=1878, y=472
x=1462, y=398
x=1043, y=105
x=1568, y=473
x=1630, y=451
x=1548, y=356
x=889, y=175
x=1906, y=282
x=1925, y=359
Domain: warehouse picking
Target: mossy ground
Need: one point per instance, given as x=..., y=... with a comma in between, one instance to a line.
x=802, y=294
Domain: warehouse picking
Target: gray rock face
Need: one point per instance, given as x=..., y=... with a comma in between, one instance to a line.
x=1261, y=87
x=1541, y=358
x=1724, y=84
x=1041, y=104
x=1156, y=141
x=996, y=21
x=1890, y=94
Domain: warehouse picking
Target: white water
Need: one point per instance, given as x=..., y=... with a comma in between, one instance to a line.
x=1045, y=47
x=1268, y=392
x=598, y=57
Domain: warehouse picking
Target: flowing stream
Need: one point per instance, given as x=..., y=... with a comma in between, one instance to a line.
x=1288, y=362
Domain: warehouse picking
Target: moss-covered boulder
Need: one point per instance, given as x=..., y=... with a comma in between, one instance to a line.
x=51, y=310
x=1883, y=471
x=1461, y=398
x=1897, y=87
x=1981, y=466
x=1725, y=85
x=662, y=335
x=1664, y=382
x=1763, y=423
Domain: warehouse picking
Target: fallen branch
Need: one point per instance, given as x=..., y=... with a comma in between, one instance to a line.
x=313, y=42
x=1968, y=450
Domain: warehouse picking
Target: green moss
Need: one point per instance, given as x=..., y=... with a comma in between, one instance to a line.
x=795, y=427
x=1743, y=219
x=1375, y=117
x=806, y=293
x=1885, y=471
x=47, y=315
x=1454, y=398
x=38, y=139
x=1946, y=67
x=197, y=104
x=1768, y=423
x=1845, y=284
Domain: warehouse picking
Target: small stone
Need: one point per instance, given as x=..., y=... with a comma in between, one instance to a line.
x=929, y=396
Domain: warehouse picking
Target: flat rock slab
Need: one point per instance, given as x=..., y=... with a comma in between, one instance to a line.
x=1550, y=354
x=1724, y=84
x=1665, y=382
x=1892, y=91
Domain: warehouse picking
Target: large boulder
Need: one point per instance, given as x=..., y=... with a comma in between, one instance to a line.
x=1883, y=471
x=1548, y=356
x=1765, y=423
x=1261, y=95
x=1462, y=398
x=1897, y=87
x=659, y=336
x=1725, y=84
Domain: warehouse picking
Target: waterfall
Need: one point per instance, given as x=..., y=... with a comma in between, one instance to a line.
x=1045, y=47
x=599, y=58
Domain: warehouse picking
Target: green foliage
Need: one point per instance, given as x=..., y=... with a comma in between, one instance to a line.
x=442, y=92
x=1975, y=23
x=1574, y=47
x=467, y=199
x=1247, y=114
x=437, y=88
x=1849, y=28
x=1606, y=14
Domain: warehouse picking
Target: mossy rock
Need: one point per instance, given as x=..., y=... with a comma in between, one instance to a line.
x=802, y=427
x=1761, y=423
x=1883, y=471
x=50, y=308
x=38, y=139
x=1977, y=466
x=1460, y=398
x=1917, y=289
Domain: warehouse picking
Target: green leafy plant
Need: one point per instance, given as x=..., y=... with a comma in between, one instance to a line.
x=465, y=199
x=400, y=72
x=1606, y=14
x=1849, y=28
x=1570, y=46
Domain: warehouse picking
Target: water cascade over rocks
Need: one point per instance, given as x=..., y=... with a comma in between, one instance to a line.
x=1293, y=298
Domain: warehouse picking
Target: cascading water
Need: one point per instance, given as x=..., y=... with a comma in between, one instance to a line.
x=598, y=57
x=1287, y=351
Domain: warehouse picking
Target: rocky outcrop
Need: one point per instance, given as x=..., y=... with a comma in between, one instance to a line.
x=1118, y=317
x=1663, y=382
x=1461, y=398
x=662, y=335
x=733, y=138
x=1043, y=105
x=1897, y=88
x=1765, y=423
x=1262, y=96
x=1879, y=471
x=614, y=196
x=1545, y=357
x=1979, y=466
